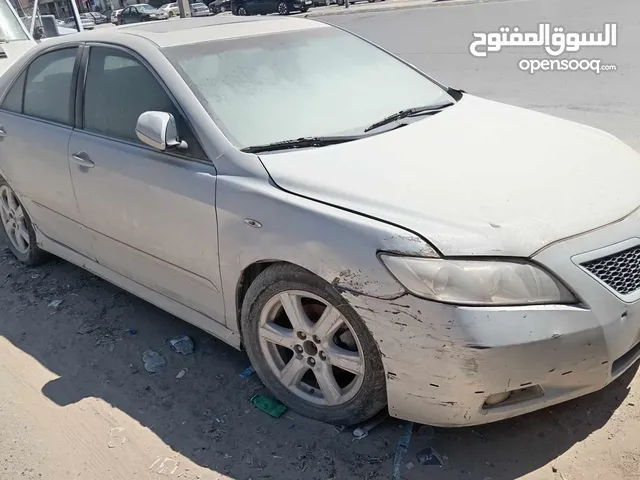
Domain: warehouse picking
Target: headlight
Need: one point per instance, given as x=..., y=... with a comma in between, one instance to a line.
x=477, y=282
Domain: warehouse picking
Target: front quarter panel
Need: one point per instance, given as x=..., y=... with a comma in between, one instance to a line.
x=336, y=245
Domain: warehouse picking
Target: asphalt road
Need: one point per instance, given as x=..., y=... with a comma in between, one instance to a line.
x=437, y=40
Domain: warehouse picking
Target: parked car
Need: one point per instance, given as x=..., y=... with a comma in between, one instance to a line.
x=350, y=241
x=115, y=14
x=172, y=9
x=97, y=17
x=87, y=22
x=264, y=7
x=200, y=10
x=220, y=6
x=141, y=13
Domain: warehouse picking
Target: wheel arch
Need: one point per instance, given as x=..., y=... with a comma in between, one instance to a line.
x=247, y=276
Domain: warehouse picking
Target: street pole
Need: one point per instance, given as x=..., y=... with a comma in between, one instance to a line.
x=76, y=15
x=33, y=18
x=185, y=9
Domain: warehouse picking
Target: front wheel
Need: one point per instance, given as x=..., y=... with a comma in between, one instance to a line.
x=17, y=228
x=304, y=9
x=283, y=9
x=242, y=11
x=310, y=348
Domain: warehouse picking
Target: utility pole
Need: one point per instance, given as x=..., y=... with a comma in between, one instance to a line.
x=185, y=9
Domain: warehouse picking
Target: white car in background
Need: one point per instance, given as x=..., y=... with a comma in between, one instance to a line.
x=199, y=9
x=171, y=8
x=87, y=22
x=114, y=16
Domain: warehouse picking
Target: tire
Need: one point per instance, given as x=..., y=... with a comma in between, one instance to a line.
x=242, y=11
x=32, y=255
x=304, y=9
x=358, y=396
x=283, y=8
x=170, y=14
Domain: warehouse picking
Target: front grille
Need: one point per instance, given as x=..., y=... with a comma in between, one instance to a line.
x=620, y=271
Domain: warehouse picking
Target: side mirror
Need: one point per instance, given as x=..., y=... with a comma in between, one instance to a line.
x=158, y=130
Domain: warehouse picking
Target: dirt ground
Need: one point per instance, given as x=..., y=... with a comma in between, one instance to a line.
x=76, y=402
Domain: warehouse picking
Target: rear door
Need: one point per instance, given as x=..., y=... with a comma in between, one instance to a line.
x=153, y=213
x=36, y=118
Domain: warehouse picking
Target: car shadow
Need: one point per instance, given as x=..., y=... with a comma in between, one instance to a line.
x=94, y=341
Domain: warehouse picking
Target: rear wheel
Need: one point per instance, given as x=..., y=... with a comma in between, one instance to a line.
x=310, y=348
x=242, y=11
x=283, y=9
x=17, y=228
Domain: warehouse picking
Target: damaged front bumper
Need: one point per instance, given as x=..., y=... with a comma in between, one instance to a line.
x=449, y=365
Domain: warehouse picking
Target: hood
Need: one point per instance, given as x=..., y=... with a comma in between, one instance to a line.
x=480, y=178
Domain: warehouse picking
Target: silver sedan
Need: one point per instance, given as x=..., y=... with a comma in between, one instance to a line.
x=391, y=242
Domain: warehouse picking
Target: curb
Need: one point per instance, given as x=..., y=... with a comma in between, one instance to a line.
x=391, y=7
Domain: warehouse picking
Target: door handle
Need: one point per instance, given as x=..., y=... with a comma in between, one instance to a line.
x=80, y=159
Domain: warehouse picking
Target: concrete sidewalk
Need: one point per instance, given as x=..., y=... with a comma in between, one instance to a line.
x=388, y=5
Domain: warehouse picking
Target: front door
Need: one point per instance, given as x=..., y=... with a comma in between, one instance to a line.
x=36, y=118
x=153, y=213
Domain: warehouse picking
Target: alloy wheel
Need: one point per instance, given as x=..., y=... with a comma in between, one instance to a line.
x=311, y=348
x=282, y=8
x=13, y=220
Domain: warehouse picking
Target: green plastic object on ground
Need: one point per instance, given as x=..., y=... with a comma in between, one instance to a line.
x=268, y=405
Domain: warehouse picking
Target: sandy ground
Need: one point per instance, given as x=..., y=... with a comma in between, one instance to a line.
x=76, y=402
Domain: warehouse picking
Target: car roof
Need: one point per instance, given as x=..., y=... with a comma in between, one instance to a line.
x=170, y=33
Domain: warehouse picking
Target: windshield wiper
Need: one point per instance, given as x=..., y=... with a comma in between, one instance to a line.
x=304, y=142
x=409, y=112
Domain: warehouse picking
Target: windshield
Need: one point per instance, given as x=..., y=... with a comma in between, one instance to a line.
x=317, y=82
x=10, y=27
x=145, y=8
